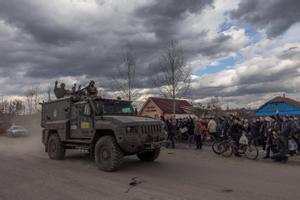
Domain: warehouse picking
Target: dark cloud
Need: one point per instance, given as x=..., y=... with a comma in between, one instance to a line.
x=276, y=16
x=50, y=46
x=267, y=76
x=241, y=90
x=162, y=17
x=31, y=18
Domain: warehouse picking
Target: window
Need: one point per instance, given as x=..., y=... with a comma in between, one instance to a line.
x=117, y=108
x=87, y=110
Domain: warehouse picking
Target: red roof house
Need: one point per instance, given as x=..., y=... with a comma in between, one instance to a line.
x=155, y=107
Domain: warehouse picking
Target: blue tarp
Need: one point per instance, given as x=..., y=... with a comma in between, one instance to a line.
x=283, y=108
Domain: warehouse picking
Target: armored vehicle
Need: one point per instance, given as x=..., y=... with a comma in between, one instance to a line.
x=107, y=128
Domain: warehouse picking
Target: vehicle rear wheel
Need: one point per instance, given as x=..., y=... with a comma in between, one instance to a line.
x=149, y=156
x=108, y=155
x=56, y=150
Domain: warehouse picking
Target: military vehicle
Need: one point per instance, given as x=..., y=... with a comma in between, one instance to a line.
x=108, y=129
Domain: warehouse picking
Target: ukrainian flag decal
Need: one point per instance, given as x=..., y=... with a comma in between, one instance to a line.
x=85, y=125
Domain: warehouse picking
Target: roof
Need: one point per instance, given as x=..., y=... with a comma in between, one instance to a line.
x=166, y=105
x=283, y=105
x=280, y=99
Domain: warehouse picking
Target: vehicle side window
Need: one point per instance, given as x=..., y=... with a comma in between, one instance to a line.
x=87, y=109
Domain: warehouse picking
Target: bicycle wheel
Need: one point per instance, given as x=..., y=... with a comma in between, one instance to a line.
x=227, y=149
x=251, y=152
x=217, y=148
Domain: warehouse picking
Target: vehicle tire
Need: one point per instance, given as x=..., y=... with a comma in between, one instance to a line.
x=56, y=150
x=227, y=149
x=108, y=155
x=251, y=152
x=149, y=156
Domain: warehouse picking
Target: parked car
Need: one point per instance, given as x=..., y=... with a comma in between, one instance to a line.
x=16, y=131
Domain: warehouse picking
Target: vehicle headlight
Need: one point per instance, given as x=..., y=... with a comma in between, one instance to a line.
x=131, y=129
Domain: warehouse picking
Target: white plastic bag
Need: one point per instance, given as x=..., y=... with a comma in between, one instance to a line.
x=243, y=139
x=293, y=146
x=183, y=130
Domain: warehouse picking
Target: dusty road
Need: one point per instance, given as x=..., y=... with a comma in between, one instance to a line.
x=27, y=173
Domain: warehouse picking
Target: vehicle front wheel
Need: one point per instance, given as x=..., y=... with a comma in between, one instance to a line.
x=149, y=156
x=56, y=150
x=108, y=155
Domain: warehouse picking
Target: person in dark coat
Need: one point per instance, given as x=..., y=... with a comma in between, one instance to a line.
x=191, y=127
x=172, y=129
x=235, y=132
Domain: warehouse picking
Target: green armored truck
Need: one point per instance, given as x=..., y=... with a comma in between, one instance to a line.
x=108, y=129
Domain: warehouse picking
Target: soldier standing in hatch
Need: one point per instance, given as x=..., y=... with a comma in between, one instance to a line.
x=91, y=89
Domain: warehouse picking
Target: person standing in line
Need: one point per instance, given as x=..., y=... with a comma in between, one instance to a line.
x=212, y=127
x=172, y=129
x=191, y=128
x=199, y=129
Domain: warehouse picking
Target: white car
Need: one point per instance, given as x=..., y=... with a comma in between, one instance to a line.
x=16, y=131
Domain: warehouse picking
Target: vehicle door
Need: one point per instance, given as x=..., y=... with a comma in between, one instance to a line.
x=81, y=122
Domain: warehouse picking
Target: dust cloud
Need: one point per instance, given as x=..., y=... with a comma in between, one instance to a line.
x=30, y=144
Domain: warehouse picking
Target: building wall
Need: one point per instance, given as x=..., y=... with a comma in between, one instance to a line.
x=151, y=110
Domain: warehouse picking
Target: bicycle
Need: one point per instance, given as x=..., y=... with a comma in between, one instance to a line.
x=229, y=147
x=218, y=149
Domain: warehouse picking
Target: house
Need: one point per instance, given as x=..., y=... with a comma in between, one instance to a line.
x=155, y=107
x=281, y=105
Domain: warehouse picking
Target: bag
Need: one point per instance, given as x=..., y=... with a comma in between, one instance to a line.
x=243, y=139
x=293, y=146
x=183, y=130
x=207, y=137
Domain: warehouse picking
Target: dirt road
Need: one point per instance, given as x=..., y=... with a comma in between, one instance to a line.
x=27, y=173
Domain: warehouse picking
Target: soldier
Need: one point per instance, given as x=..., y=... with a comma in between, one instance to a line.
x=91, y=89
x=60, y=92
x=74, y=88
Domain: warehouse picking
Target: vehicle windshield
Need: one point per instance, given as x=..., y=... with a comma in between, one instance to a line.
x=117, y=108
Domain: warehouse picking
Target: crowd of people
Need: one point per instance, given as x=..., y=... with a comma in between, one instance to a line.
x=277, y=135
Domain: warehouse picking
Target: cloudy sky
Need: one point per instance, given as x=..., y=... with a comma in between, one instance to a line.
x=245, y=52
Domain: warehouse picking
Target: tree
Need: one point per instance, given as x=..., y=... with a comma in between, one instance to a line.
x=125, y=80
x=174, y=77
x=33, y=99
x=12, y=107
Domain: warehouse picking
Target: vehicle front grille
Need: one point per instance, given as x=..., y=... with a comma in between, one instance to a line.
x=150, y=129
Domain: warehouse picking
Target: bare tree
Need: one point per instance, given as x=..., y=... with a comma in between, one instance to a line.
x=4, y=106
x=174, y=77
x=125, y=80
x=33, y=99
x=48, y=90
x=29, y=99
